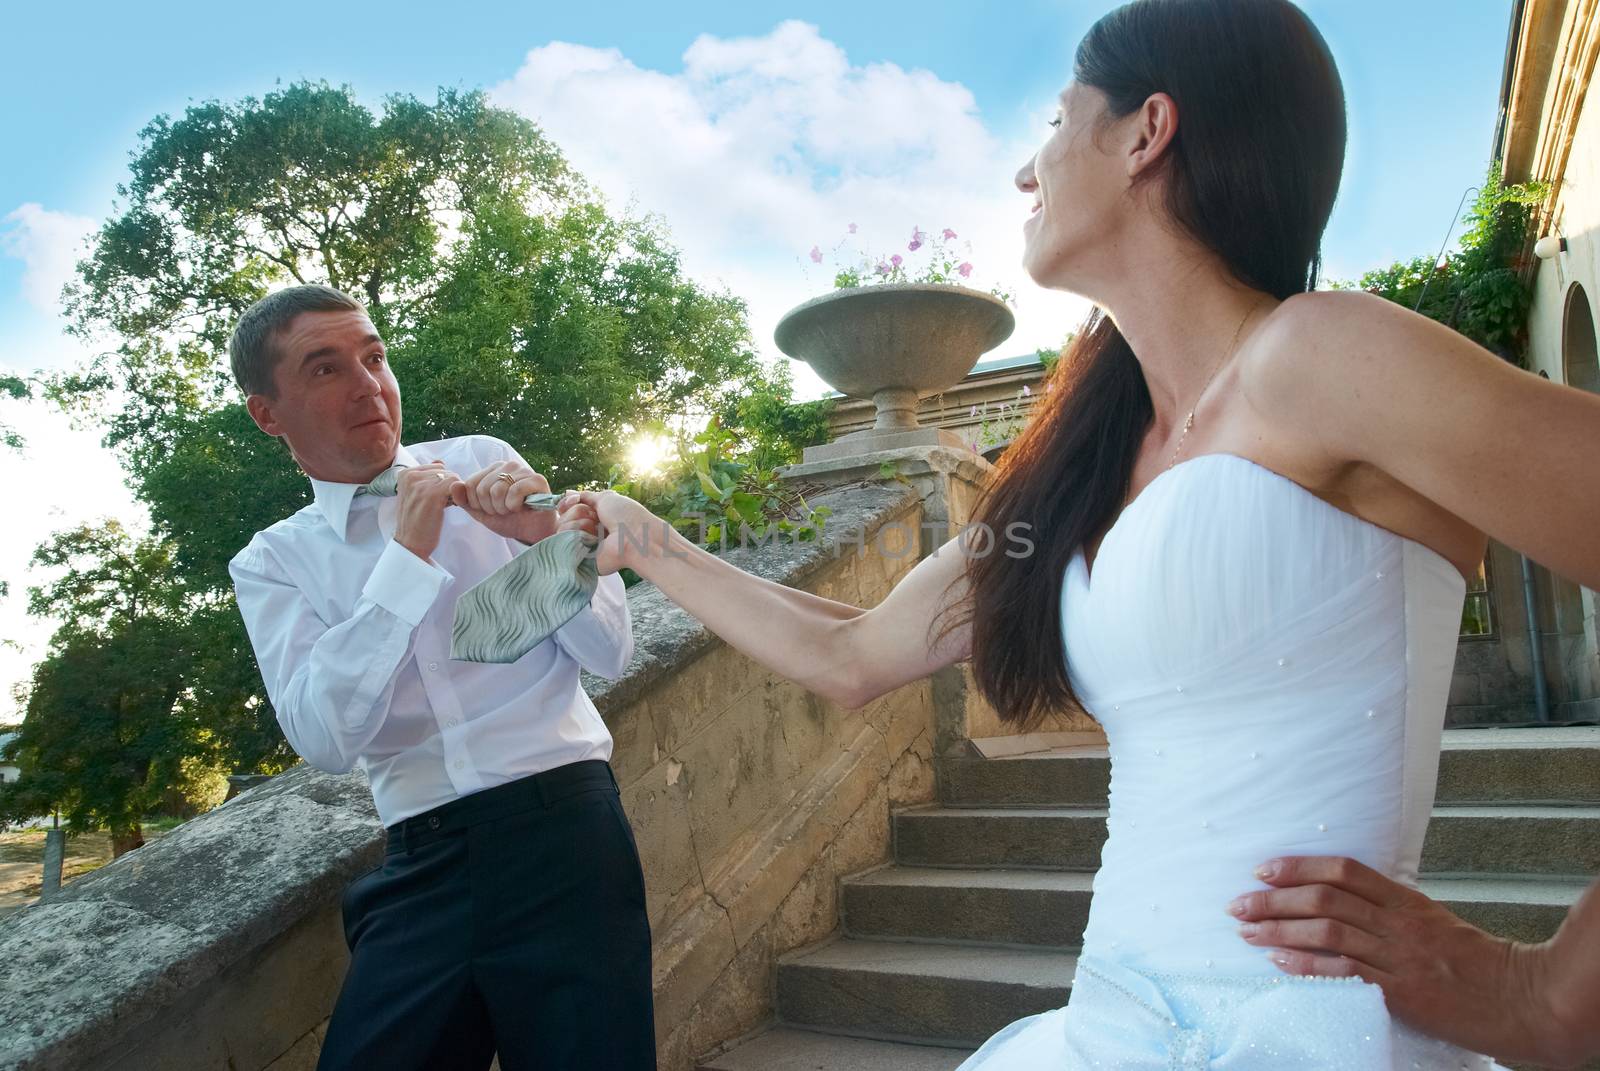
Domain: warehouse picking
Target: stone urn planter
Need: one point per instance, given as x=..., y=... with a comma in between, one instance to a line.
x=894, y=343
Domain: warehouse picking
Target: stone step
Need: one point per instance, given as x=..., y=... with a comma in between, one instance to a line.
x=1054, y=837
x=1073, y=777
x=785, y=1048
x=1556, y=765
x=1045, y=908
x=1513, y=839
x=1509, y=839
x=904, y=991
x=1048, y=908
x=1475, y=766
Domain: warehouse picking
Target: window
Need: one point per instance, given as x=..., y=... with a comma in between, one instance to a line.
x=1477, y=616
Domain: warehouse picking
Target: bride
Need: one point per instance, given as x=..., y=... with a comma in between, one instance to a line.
x=1252, y=507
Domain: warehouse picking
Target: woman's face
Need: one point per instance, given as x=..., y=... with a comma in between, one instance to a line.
x=1077, y=188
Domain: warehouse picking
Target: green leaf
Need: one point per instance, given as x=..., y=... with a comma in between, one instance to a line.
x=710, y=487
x=747, y=506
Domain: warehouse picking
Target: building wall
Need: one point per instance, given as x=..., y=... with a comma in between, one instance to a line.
x=1553, y=134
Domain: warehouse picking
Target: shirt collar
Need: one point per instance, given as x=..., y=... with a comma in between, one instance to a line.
x=334, y=499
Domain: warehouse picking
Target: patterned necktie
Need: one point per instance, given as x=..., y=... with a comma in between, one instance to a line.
x=511, y=611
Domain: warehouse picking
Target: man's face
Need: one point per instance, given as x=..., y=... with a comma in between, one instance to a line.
x=338, y=404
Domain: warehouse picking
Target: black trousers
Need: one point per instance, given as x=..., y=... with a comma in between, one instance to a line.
x=511, y=921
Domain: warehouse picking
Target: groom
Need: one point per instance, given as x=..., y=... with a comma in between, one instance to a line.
x=508, y=914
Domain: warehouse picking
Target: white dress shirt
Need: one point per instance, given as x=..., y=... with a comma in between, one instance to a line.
x=352, y=633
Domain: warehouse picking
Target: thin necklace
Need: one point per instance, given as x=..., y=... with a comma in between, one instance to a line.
x=1189, y=423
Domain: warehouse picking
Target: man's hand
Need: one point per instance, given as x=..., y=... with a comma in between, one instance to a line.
x=497, y=503
x=423, y=495
x=1444, y=977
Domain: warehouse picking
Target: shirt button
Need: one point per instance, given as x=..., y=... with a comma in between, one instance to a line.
x=433, y=823
x=453, y=721
x=433, y=665
x=460, y=763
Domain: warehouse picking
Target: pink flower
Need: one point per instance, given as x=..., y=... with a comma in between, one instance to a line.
x=973, y=411
x=883, y=269
x=852, y=228
x=916, y=239
x=949, y=234
x=966, y=269
x=816, y=255
x=1026, y=393
x=896, y=260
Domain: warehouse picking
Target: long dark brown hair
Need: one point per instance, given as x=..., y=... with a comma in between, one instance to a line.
x=1251, y=173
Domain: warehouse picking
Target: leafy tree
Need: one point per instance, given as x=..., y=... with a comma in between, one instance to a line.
x=111, y=721
x=561, y=333
x=513, y=303
x=772, y=429
x=1480, y=291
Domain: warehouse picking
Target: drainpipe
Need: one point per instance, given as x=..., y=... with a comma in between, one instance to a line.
x=1541, y=698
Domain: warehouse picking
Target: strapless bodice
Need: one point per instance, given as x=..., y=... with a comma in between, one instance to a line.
x=1271, y=674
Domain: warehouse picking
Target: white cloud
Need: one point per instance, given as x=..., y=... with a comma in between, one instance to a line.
x=761, y=147
x=49, y=244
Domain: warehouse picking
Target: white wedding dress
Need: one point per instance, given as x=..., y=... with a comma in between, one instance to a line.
x=1271, y=674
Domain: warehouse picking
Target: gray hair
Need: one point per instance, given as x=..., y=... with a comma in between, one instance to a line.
x=252, y=348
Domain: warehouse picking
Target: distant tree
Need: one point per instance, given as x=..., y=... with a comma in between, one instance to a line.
x=112, y=721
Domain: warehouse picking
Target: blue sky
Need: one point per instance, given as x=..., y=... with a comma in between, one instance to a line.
x=733, y=121
x=1421, y=79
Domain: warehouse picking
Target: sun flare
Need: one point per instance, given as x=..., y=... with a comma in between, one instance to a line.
x=648, y=453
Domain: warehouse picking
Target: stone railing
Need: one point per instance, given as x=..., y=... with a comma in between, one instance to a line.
x=221, y=946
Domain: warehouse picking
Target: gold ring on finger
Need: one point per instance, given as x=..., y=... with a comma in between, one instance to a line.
x=507, y=477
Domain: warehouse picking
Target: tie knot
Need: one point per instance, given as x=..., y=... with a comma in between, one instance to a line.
x=386, y=485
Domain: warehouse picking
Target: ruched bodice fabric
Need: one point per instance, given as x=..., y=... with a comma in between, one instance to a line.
x=1271, y=675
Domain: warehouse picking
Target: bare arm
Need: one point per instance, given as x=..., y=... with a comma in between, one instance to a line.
x=845, y=653
x=1502, y=449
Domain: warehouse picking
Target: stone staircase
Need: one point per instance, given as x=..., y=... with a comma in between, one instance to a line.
x=976, y=921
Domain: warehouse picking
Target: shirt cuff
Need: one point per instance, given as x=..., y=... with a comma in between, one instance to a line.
x=404, y=584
